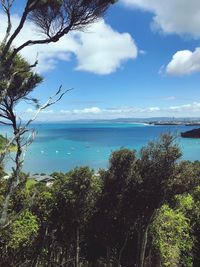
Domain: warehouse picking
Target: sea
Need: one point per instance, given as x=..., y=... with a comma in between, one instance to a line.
x=59, y=147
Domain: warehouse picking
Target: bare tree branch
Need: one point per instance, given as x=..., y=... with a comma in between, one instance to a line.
x=6, y=9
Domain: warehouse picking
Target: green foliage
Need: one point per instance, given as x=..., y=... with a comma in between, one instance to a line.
x=185, y=203
x=30, y=183
x=23, y=230
x=78, y=194
x=43, y=202
x=112, y=219
x=171, y=232
x=3, y=142
x=3, y=187
x=23, y=80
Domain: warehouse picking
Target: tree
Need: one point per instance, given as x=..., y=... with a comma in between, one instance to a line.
x=78, y=198
x=54, y=19
x=64, y=212
x=134, y=189
x=189, y=205
x=175, y=230
x=142, y=185
x=20, y=236
x=23, y=82
x=42, y=207
x=111, y=223
x=162, y=177
x=171, y=233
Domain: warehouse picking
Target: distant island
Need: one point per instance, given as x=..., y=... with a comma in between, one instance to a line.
x=195, y=133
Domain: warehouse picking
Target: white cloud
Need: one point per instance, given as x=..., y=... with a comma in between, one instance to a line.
x=32, y=111
x=184, y=62
x=193, y=109
x=172, y=16
x=100, y=49
x=182, y=107
x=93, y=110
x=184, y=110
x=151, y=109
x=180, y=17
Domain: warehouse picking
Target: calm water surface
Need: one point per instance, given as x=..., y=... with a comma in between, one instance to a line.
x=60, y=147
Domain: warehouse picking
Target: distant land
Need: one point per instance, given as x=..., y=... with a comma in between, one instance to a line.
x=188, y=121
x=195, y=133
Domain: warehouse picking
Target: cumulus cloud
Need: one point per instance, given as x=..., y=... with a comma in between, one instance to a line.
x=172, y=16
x=100, y=49
x=184, y=62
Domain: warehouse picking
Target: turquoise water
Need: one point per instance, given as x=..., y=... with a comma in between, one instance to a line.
x=60, y=147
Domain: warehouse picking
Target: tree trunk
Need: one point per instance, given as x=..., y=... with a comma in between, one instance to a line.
x=14, y=180
x=121, y=251
x=138, y=246
x=39, y=247
x=77, y=247
x=142, y=245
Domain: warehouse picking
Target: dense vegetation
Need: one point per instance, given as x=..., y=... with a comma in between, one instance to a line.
x=142, y=211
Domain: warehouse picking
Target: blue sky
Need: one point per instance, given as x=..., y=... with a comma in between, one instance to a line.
x=142, y=60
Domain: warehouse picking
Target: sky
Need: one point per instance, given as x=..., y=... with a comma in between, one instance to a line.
x=141, y=60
